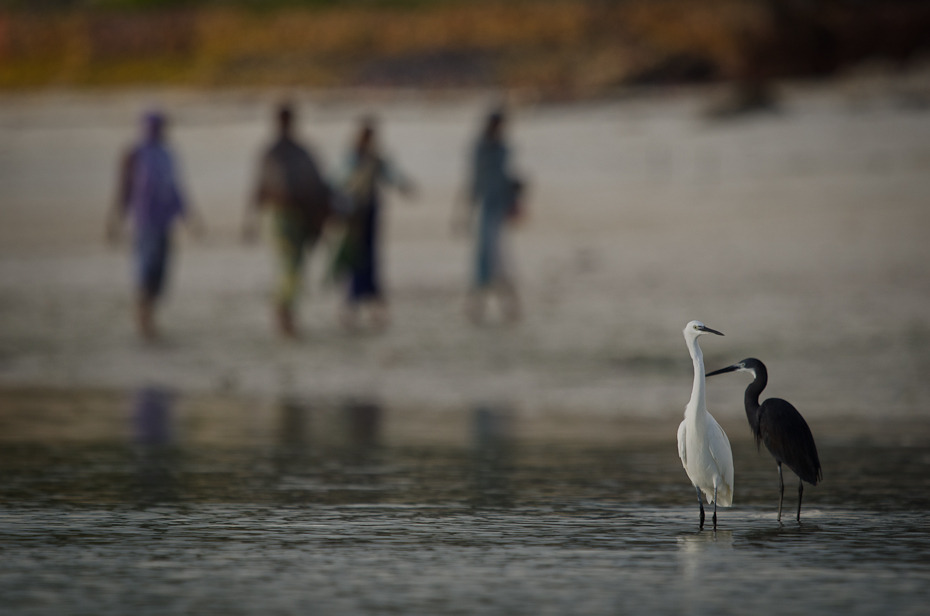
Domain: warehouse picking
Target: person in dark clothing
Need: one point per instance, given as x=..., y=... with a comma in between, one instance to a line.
x=366, y=172
x=496, y=203
x=296, y=198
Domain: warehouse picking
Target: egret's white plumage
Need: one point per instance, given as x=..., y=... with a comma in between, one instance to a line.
x=702, y=444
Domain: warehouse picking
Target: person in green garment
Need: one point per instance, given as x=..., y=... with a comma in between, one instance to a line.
x=296, y=197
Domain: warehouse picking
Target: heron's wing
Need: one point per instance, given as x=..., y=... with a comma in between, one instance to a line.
x=682, y=453
x=787, y=436
x=719, y=446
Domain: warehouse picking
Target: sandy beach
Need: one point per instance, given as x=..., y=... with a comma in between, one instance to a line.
x=799, y=233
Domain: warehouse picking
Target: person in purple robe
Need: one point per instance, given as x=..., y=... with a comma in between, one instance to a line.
x=150, y=196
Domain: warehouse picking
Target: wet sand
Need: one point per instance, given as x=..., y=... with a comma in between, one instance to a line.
x=801, y=234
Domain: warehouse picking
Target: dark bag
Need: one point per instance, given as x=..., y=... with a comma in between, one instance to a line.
x=292, y=179
x=516, y=209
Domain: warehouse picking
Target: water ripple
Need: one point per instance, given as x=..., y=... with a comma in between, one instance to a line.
x=494, y=524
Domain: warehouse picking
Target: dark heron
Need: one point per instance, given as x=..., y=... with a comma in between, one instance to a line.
x=780, y=426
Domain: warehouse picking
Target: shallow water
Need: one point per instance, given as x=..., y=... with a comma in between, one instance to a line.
x=148, y=504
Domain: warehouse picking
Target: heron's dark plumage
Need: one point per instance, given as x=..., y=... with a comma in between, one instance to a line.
x=779, y=425
x=788, y=438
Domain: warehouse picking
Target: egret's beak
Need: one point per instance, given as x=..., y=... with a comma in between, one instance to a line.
x=732, y=368
x=708, y=330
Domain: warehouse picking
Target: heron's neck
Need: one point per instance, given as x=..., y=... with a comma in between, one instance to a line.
x=697, y=405
x=751, y=399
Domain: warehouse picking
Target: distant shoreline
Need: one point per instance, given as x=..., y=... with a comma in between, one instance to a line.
x=558, y=49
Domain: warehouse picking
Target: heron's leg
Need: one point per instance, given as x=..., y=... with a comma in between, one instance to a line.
x=700, y=504
x=800, y=494
x=781, y=491
x=715, y=505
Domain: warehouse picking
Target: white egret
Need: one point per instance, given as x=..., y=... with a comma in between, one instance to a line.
x=780, y=426
x=702, y=444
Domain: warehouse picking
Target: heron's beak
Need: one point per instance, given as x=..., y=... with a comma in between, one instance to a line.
x=732, y=368
x=704, y=328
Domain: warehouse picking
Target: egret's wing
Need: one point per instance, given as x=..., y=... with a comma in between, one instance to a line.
x=722, y=454
x=681, y=445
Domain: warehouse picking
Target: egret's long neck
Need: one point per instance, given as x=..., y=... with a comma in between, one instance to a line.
x=696, y=404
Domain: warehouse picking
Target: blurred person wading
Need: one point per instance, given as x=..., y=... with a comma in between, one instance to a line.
x=150, y=196
x=291, y=189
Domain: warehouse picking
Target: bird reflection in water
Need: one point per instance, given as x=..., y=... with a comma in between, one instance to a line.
x=153, y=445
x=492, y=451
x=766, y=536
x=700, y=555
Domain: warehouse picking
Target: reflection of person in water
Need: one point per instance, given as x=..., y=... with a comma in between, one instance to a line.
x=151, y=417
x=150, y=195
x=152, y=437
x=492, y=432
x=295, y=423
x=364, y=429
x=496, y=194
x=294, y=453
x=359, y=256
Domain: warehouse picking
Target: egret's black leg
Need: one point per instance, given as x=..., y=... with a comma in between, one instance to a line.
x=781, y=491
x=800, y=494
x=701, y=505
x=715, y=507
